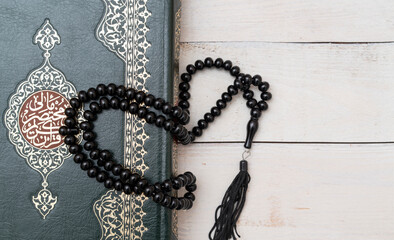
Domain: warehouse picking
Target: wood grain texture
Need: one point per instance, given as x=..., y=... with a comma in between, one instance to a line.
x=287, y=21
x=298, y=191
x=321, y=92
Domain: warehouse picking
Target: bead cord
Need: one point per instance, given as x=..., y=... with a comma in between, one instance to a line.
x=99, y=163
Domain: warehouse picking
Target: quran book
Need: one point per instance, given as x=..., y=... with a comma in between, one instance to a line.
x=49, y=51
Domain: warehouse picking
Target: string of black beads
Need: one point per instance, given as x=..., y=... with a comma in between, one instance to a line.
x=99, y=163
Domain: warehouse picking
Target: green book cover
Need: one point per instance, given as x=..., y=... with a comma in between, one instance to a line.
x=49, y=51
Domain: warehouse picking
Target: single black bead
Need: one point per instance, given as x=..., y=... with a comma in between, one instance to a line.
x=197, y=131
x=176, y=184
x=167, y=108
x=114, y=102
x=125, y=174
x=79, y=157
x=149, y=100
x=190, y=196
x=168, y=125
x=160, y=121
x=101, y=176
x=118, y=185
x=95, y=154
x=127, y=189
x=70, y=140
x=247, y=79
x=158, y=104
x=266, y=96
x=232, y=90
x=92, y=172
x=157, y=187
x=149, y=190
x=104, y=103
x=105, y=155
x=63, y=130
x=192, y=137
x=83, y=96
x=256, y=80
x=89, y=136
x=184, y=86
x=109, y=165
x=180, y=204
x=70, y=122
x=140, y=96
x=191, y=188
x=95, y=107
x=130, y=93
x=184, y=202
x=117, y=169
x=167, y=185
x=184, y=104
x=133, y=108
x=134, y=178
x=101, y=89
x=183, y=179
x=142, y=112
x=89, y=115
x=248, y=94
x=92, y=93
x=158, y=197
x=235, y=71
x=255, y=112
x=184, y=95
x=86, y=164
x=190, y=69
x=209, y=117
x=186, y=77
x=70, y=112
x=227, y=65
x=176, y=112
x=221, y=104
x=185, y=118
x=264, y=86
x=89, y=146
x=74, y=149
x=150, y=117
x=238, y=84
x=109, y=183
x=191, y=175
x=75, y=103
x=142, y=183
x=137, y=190
x=86, y=126
x=208, y=62
x=226, y=97
x=174, y=203
x=121, y=91
x=166, y=201
x=202, y=124
x=262, y=105
x=124, y=104
x=251, y=103
x=111, y=88
x=199, y=64
x=176, y=129
x=218, y=62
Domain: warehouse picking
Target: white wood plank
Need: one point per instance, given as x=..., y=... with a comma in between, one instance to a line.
x=287, y=20
x=321, y=92
x=297, y=192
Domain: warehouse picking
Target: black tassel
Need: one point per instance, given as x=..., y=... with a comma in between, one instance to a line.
x=227, y=214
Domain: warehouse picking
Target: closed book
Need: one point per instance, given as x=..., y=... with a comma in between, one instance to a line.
x=50, y=50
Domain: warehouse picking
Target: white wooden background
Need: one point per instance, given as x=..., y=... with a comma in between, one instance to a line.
x=322, y=165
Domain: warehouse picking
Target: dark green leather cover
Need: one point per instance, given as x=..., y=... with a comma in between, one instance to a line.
x=50, y=50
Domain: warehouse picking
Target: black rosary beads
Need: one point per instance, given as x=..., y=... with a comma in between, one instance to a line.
x=99, y=163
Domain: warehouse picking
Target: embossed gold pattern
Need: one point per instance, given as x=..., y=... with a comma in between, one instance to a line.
x=123, y=31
